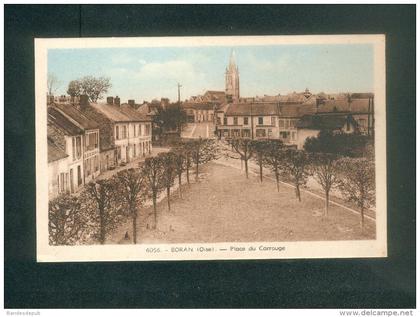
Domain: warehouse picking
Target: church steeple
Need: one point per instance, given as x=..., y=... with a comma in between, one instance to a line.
x=232, y=79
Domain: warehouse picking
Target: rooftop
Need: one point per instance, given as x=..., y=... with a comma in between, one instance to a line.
x=317, y=122
x=77, y=116
x=61, y=121
x=54, y=152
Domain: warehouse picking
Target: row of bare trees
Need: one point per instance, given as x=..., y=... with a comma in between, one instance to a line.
x=340, y=162
x=104, y=204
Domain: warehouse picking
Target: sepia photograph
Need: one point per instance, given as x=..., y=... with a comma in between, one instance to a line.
x=203, y=148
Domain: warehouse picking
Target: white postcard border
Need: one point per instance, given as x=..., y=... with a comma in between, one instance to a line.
x=209, y=251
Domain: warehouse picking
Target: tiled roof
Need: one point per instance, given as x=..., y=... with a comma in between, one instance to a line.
x=61, y=121
x=267, y=109
x=245, y=109
x=133, y=113
x=332, y=122
x=198, y=106
x=76, y=115
x=143, y=109
x=54, y=152
x=112, y=112
x=342, y=105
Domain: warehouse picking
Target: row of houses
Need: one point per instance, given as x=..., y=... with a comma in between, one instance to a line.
x=294, y=122
x=86, y=139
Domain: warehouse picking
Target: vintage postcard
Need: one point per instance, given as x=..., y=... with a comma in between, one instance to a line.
x=210, y=148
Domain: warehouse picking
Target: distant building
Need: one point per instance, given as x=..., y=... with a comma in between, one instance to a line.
x=131, y=131
x=311, y=125
x=232, y=80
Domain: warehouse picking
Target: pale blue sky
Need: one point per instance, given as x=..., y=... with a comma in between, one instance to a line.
x=147, y=73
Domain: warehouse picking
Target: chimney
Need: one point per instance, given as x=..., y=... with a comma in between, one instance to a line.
x=117, y=101
x=84, y=102
x=131, y=103
x=110, y=100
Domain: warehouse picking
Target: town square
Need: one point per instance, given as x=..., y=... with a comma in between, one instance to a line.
x=213, y=167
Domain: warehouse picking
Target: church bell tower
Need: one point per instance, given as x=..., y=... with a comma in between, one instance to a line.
x=232, y=80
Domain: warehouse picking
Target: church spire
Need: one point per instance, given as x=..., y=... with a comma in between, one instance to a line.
x=232, y=62
x=232, y=79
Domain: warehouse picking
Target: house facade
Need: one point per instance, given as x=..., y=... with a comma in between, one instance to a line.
x=310, y=126
x=65, y=154
x=89, y=140
x=131, y=131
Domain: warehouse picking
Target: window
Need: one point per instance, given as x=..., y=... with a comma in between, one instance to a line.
x=225, y=121
x=61, y=182
x=91, y=141
x=79, y=175
x=96, y=164
x=78, y=147
x=147, y=129
x=119, y=152
x=260, y=120
x=293, y=138
x=270, y=133
x=284, y=134
x=124, y=132
x=286, y=124
x=273, y=121
x=235, y=120
x=73, y=148
x=260, y=133
x=246, y=121
x=293, y=123
x=246, y=133
x=117, y=132
x=281, y=123
x=134, y=130
x=219, y=121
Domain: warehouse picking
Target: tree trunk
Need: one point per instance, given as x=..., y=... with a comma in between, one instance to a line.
x=277, y=181
x=246, y=168
x=261, y=169
x=180, y=183
x=188, y=174
x=154, y=210
x=327, y=201
x=196, y=171
x=168, y=195
x=242, y=164
x=102, y=225
x=362, y=215
x=298, y=192
x=134, y=213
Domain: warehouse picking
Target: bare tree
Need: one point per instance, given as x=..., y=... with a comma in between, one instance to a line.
x=202, y=151
x=241, y=146
x=53, y=83
x=274, y=158
x=325, y=169
x=169, y=171
x=357, y=182
x=153, y=171
x=132, y=190
x=67, y=221
x=260, y=148
x=295, y=168
x=102, y=194
x=180, y=166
